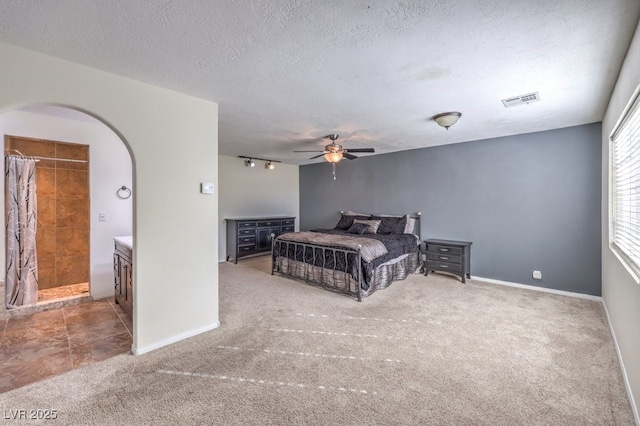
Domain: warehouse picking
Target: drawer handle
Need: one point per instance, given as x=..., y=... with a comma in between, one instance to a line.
x=443, y=257
x=443, y=266
x=444, y=249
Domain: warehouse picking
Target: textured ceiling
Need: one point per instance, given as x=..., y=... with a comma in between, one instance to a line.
x=286, y=72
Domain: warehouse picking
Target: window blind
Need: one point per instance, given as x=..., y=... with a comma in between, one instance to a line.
x=625, y=187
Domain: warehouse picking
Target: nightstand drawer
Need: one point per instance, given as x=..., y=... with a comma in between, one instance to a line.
x=441, y=257
x=455, y=251
x=443, y=266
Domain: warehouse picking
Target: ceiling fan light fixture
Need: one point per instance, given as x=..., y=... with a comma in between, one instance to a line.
x=333, y=157
x=447, y=119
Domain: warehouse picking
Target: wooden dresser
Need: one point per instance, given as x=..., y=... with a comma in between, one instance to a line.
x=248, y=236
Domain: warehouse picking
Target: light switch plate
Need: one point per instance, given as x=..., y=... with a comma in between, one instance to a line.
x=206, y=188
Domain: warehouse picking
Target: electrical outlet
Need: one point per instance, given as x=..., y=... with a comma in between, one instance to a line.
x=537, y=275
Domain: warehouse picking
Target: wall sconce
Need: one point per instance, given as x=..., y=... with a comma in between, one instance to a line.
x=250, y=163
x=447, y=119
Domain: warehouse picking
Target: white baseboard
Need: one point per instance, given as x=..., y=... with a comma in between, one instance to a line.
x=627, y=385
x=174, y=339
x=543, y=289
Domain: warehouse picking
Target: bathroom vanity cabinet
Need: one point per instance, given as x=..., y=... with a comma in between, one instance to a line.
x=123, y=273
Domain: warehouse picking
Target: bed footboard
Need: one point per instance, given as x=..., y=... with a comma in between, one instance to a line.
x=335, y=269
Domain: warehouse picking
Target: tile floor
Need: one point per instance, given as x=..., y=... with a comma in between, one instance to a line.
x=61, y=292
x=43, y=344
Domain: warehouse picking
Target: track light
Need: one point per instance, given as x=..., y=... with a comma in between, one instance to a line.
x=249, y=162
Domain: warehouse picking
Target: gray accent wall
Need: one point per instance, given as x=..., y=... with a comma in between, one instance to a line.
x=527, y=202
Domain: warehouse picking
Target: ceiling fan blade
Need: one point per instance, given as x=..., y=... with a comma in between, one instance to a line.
x=361, y=150
x=315, y=150
x=317, y=156
x=349, y=156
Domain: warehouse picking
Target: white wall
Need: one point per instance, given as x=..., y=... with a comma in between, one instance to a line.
x=620, y=292
x=173, y=141
x=109, y=169
x=254, y=192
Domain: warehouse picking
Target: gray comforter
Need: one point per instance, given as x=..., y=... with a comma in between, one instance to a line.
x=370, y=249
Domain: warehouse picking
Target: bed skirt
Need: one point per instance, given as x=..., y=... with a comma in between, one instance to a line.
x=339, y=281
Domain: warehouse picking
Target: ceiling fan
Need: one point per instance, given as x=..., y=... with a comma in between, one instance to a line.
x=334, y=152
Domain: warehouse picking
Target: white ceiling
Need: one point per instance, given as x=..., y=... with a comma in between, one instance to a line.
x=287, y=72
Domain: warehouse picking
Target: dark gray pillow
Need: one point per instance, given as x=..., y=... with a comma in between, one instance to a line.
x=346, y=221
x=391, y=224
x=359, y=228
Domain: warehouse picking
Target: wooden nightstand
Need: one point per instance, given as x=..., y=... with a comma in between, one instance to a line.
x=449, y=256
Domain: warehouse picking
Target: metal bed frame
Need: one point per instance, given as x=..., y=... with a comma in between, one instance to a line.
x=291, y=267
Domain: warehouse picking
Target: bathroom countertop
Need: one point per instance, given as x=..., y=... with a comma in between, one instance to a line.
x=126, y=241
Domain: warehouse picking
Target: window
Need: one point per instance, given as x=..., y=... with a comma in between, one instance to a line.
x=625, y=187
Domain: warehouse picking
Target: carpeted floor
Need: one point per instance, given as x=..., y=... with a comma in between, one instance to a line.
x=423, y=351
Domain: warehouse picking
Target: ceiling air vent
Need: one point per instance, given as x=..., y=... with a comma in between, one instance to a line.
x=522, y=99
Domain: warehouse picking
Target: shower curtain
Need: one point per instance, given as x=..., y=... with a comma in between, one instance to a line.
x=21, y=260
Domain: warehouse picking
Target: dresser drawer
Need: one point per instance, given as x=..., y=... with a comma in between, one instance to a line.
x=454, y=251
x=250, y=240
x=441, y=257
x=288, y=228
x=245, y=232
x=443, y=266
x=246, y=249
x=289, y=222
x=251, y=224
x=268, y=223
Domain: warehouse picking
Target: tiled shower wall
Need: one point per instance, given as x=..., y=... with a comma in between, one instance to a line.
x=62, y=238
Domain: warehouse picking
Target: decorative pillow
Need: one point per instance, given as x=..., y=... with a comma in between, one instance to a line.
x=373, y=225
x=409, y=227
x=359, y=228
x=391, y=225
x=346, y=221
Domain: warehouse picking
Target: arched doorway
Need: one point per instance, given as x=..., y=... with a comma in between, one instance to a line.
x=81, y=165
x=108, y=168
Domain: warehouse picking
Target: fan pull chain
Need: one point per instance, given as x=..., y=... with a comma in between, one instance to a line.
x=334, y=171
